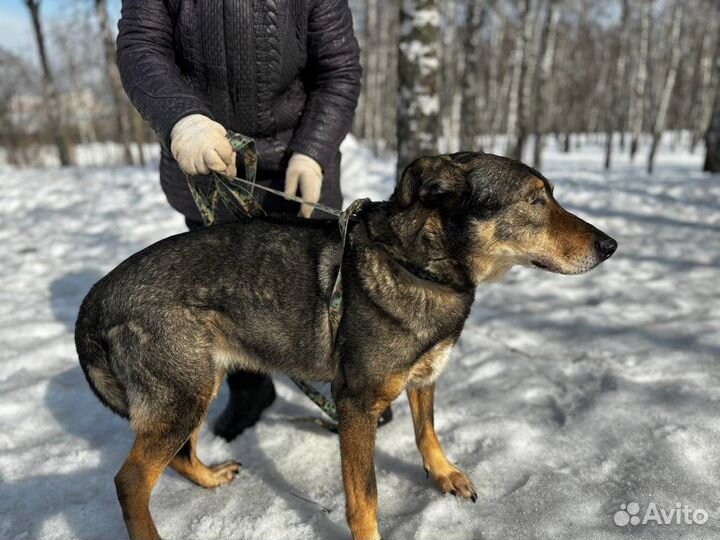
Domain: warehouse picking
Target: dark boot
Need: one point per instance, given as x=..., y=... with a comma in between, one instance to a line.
x=250, y=395
x=386, y=416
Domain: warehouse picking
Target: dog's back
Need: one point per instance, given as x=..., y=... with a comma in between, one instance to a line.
x=167, y=322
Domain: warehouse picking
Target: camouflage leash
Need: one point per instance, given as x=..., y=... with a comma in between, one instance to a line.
x=236, y=194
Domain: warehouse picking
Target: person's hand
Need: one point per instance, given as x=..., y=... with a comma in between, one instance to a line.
x=306, y=173
x=200, y=145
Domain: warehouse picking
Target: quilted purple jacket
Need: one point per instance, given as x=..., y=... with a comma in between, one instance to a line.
x=285, y=72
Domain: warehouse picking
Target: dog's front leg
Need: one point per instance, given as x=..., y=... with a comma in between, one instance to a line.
x=357, y=423
x=447, y=476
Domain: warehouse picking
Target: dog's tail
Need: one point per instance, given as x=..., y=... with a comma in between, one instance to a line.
x=94, y=358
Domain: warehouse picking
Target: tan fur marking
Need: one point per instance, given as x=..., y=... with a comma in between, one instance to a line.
x=197, y=472
x=107, y=384
x=563, y=242
x=427, y=369
x=490, y=259
x=358, y=423
x=447, y=476
x=537, y=184
x=135, y=482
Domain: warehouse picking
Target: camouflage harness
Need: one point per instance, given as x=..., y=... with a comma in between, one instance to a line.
x=236, y=194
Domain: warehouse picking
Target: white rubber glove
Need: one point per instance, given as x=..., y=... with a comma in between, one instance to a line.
x=200, y=145
x=306, y=173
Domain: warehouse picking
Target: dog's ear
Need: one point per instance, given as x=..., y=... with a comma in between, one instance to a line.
x=433, y=180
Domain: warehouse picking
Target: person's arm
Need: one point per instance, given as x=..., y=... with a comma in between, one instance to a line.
x=334, y=73
x=157, y=88
x=150, y=76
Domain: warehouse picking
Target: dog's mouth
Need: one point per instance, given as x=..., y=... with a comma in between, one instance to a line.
x=579, y=267
x=542, y=265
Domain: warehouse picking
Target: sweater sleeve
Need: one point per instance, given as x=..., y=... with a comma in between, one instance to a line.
x=334, y=73
x=150, y=76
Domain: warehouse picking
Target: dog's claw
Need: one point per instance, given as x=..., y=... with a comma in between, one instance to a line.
x=455, y=482
x=427, y=473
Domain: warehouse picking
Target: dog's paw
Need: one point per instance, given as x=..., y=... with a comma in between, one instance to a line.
x=224, y=473
x=450, y=479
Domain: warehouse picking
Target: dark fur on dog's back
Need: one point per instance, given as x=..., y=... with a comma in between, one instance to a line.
x=197, y=277
x=156, y=335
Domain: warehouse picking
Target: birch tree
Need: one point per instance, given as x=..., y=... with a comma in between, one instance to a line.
x=112, y=74
x=419, y=81
x=16, y=78
x=710, y=49
x=469, y=112
x=545, y=85
x=712, y=136
x=500, y=80
x=519, y=102
x=372, y=70
x=613, y=115
x=669, y=86
x=50, y=92
x=451, y=67
x=637, y=104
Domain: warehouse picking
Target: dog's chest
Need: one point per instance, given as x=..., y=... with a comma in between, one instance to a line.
x=430, y=365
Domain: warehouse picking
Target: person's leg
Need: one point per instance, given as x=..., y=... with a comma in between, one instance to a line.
x=250, y=394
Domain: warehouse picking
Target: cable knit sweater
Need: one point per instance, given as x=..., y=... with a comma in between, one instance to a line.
x=285, y=72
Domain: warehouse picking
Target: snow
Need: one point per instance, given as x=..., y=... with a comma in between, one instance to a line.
x=565, y=398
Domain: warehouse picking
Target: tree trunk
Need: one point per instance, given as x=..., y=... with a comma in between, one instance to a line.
x=637, y=106
x=514, y=96
x=389, y=79
x=712, y=136
x=380, y=81
x=371, y=67
x=50, y=93
x=450, y=70
x=710, y=48
x=499, y=83
x=471, y=85
x=669, y=86
x=519, y=102
x=419, y=81
x=139, y=131
x=545, y=85
x=122, y=125
x=613, y=117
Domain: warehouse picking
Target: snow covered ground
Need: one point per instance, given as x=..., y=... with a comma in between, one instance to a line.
x=566, y=397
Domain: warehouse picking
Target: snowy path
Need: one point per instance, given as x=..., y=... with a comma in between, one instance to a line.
x=565, y=398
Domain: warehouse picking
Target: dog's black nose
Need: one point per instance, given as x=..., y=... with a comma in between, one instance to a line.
x=606, y=247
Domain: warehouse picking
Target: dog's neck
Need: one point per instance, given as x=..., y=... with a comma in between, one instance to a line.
x=415, y=238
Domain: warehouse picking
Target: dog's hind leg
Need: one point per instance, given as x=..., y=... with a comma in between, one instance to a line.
x=163, y=421
x=137, y=477
x=189, y=465
x=447, y=476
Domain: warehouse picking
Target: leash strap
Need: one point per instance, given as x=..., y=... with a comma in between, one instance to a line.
x=336, y=297
x=231, y=192
x=236, y=194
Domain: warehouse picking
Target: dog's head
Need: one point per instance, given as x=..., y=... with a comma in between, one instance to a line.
x=496, y=212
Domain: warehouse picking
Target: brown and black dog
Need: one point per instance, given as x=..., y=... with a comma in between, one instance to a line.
x=157, y=334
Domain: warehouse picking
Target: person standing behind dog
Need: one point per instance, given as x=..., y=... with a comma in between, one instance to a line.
x=285, y=73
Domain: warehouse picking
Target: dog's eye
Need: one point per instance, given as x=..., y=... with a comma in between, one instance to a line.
x=538, y=201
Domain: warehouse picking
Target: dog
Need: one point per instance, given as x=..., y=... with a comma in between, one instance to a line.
x=156, y=335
